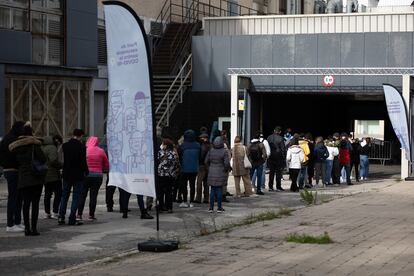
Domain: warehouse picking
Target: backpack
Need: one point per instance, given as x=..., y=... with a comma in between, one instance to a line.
x=255, y=153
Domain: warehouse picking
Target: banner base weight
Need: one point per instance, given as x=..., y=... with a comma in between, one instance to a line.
x=158, y=246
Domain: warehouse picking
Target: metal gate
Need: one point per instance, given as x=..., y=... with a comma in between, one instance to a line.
x=52, y=106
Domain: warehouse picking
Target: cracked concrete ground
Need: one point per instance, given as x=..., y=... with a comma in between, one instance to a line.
x=373, y=234
x=243, y=249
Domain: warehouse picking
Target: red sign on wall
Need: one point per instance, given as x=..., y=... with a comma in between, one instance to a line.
x=328, y=80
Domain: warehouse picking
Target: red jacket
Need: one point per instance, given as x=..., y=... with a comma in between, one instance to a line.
x=95, y=156
x=344, y=156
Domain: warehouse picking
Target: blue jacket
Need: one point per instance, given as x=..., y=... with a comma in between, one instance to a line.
x=189, y=153
x=320, y=153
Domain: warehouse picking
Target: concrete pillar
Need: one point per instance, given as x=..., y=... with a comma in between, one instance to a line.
x=92, y=108
x=273, y=7
x=406, y=96
x=234, y=83
x=308, y=6
x=3, y=127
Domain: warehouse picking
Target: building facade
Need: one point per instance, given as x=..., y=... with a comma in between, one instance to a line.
x=48, y=59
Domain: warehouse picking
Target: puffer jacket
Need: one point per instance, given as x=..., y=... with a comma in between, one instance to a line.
x=95, y=156
x=189, y=153
x=218, y=163
x=53, y=163
x=238, y=152
x=25, y=147
x=295, y=157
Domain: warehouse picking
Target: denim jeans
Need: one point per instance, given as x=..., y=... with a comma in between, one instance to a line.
x=77, y=190
x=328, y=171
x=14, y=199
x=91, y=185
x=263, y=177
x=216, y=192
x=364, y=166
x=347, y=169
x=303, y=176
x=259, y=171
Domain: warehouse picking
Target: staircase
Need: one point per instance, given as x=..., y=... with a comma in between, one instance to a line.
x=161, y=85
x=162, y=60
x=171, y=53
x=169, y=92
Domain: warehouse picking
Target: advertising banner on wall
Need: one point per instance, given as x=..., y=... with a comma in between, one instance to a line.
x=397, y=113
x=130, y=128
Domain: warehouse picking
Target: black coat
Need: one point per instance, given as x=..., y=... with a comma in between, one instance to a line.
x=277, y=150
x=7, y=158
x=356, y=149
x=75, y=167
x=26, y=148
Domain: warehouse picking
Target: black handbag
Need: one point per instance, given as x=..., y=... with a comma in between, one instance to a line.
x=38, y=168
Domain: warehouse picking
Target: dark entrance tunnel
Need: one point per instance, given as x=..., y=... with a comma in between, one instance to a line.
x=320, y=114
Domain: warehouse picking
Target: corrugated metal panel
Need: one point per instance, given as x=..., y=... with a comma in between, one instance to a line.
x=310, y=24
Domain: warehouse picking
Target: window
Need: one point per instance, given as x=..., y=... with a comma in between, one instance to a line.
x=49, y=4
x=5, y=18
x=156, y=28
x=102, y=58
x=20, y=20
x=45, y=24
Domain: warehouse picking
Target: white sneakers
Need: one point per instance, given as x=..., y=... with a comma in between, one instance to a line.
x=54, y=216
x=186, y=205
x=15, y=228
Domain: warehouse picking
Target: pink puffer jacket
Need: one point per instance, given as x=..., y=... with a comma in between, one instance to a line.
x=95, y=156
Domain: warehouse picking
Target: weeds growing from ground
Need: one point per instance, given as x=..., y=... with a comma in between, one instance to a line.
x=305, y=238
x=309, y=197
x=250, y=219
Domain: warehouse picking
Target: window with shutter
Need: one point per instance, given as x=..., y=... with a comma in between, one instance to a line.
x=102, y=58
x=156, y=28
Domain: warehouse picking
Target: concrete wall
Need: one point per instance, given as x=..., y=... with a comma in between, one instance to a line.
x=81, y=43
x=151, y=9
x=15, y=46
x=212, y=55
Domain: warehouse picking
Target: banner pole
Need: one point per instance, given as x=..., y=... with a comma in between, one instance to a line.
x=115, y=27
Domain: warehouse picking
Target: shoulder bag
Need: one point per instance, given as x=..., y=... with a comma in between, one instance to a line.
x=38, y=168
x=246, y=161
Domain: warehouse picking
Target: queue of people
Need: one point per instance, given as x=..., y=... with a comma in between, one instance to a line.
x=194, y=162
x=31, y=162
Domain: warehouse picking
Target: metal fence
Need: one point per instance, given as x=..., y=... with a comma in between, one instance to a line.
x=380, y=150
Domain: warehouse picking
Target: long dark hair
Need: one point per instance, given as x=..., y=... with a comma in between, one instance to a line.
x=16, y=129
x=168, y=143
